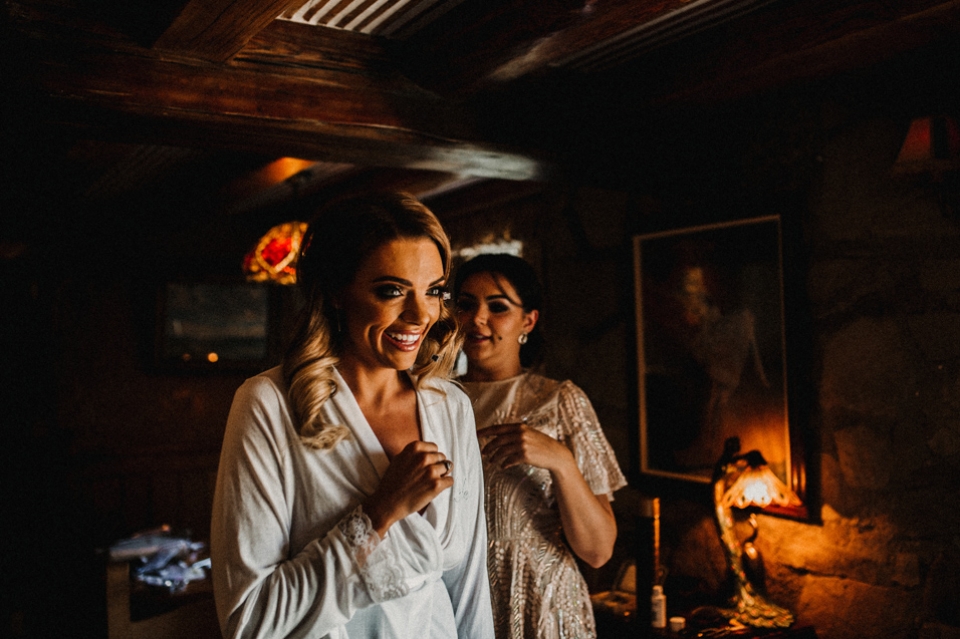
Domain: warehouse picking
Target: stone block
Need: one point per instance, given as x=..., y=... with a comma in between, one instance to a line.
x=866, y=457
x=938, y=631
x=848, y=609
x=867, y=369
x=937, y=334
x=945, y=443
x=906, y=569
x=836, y=286
x=939, y=276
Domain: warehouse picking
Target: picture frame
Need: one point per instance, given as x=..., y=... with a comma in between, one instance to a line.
x=712, y=352
x=211, y=326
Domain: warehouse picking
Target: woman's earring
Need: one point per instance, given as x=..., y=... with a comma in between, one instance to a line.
x=522, y=339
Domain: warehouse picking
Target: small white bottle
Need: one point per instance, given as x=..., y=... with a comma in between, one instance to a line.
x=658, y=608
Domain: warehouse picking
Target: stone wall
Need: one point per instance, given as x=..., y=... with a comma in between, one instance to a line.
x=884, y=286
x=883, y=283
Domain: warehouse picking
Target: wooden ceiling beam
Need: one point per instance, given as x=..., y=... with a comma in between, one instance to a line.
x=808, y=41
x=339, y=102
x=216, y=29
x=483, y=45
x=494, y=42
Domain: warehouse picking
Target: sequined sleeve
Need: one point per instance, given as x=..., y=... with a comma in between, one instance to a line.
x=581, y=428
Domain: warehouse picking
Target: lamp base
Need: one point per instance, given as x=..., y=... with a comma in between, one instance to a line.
x=751, y=609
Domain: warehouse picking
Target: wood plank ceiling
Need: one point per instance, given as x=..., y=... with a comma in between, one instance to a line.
x=133, y=89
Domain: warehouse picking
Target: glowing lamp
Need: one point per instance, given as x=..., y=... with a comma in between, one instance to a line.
x=745, y=482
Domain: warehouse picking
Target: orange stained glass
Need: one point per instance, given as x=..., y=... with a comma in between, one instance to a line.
x=274, y=258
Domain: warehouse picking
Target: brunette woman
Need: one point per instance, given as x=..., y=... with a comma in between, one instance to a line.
x=550, y=473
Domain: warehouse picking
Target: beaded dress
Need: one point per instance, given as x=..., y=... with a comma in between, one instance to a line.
x=536, y=587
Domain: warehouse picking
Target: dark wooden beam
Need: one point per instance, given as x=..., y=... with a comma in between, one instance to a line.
x=292, y=92
x=806, y=41
x=497, y=41
x=604, y=123
x=216, y=29
x=416, y=182
x=484, y=45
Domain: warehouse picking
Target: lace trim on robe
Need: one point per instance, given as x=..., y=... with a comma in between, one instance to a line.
x=377, y=563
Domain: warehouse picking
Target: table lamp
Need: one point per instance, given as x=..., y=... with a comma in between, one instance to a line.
x=745, y=482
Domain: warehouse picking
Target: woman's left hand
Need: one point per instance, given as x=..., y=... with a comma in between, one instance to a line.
x=518, y=443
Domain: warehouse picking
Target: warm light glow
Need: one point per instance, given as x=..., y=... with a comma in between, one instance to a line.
x=758, y=486
x=279, y=170
x=274, y=257
x=266, y=177
x=212, y=357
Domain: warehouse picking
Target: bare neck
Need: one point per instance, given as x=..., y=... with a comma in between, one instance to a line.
x=374, y=387
x=492, y=374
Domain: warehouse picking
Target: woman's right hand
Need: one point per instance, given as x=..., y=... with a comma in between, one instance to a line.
x=415, y=476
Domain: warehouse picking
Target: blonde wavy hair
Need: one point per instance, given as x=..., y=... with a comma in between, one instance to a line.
x=337, y=242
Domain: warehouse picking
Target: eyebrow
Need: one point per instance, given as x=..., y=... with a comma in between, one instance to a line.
x=400, y=280
x=488, y=298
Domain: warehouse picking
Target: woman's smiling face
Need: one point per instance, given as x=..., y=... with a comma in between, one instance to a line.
x=392, y=302
x=492, y=319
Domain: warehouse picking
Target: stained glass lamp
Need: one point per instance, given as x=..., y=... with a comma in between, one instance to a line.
x=745, y=482
x=274, y=258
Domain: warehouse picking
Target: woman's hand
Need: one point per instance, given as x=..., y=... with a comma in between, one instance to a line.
x=587, y=519
x=518, y=443
x=418, y=474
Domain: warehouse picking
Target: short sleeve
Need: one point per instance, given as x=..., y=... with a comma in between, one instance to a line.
x=593, y=453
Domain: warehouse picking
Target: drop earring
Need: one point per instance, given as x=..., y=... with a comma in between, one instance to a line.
x=522, y=339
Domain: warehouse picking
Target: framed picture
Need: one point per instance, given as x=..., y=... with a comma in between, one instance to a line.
x=211, y=326
x=712, y=349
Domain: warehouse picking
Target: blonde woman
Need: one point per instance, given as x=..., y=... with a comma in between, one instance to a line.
x=349, y=498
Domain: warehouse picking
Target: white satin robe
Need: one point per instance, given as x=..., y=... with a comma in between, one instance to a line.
x=293, y=555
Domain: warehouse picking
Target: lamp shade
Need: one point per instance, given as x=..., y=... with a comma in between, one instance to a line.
x=932, y=145
x=757, y=485
x=274, y=258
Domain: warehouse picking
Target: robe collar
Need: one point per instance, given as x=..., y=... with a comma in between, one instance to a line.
x=346, y=404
